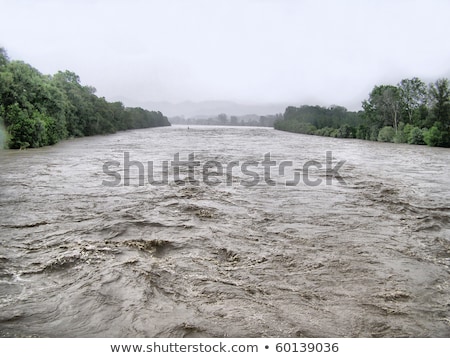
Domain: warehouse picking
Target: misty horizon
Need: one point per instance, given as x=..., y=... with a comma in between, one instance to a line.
x=252, y=53
x=195, y=109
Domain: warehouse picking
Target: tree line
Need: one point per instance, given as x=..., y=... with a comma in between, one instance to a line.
x=38, y=110
x=222, y=119
x=410, y=112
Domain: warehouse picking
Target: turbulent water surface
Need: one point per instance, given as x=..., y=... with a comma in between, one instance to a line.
x=367, y=256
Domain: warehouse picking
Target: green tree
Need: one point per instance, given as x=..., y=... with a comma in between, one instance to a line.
x=383, y=106
x=78, y=107
x=416, y=136
x=413, y=95
x=23, y=130
x=346, y=131
x=4, y=59
x=434, y=136
x=440, y=100
x=386, y=134
x=362, y=132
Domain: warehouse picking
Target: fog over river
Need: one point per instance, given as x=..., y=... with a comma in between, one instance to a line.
x=359, y=251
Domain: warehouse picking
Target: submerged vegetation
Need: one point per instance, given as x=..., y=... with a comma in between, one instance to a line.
x=38, y=110
x=410, y=112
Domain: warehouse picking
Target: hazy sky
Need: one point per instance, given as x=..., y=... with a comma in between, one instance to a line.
x=248, y=51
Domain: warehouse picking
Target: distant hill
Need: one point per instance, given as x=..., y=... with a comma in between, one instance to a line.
x=207, y=108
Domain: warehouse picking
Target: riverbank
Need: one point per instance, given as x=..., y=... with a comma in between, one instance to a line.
x=37, y=110
x=410, y=112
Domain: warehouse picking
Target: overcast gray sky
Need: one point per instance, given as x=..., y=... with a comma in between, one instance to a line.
x=247, y=51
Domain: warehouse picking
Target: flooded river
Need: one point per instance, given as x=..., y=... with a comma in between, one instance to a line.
x=94, y=242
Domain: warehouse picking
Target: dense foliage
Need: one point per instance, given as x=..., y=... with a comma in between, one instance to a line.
x=38, y=110
x=410, y=112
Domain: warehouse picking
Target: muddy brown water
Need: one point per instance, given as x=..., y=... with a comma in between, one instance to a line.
x=367, y=256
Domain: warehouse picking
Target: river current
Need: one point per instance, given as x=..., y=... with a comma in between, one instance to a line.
x=322, y=237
